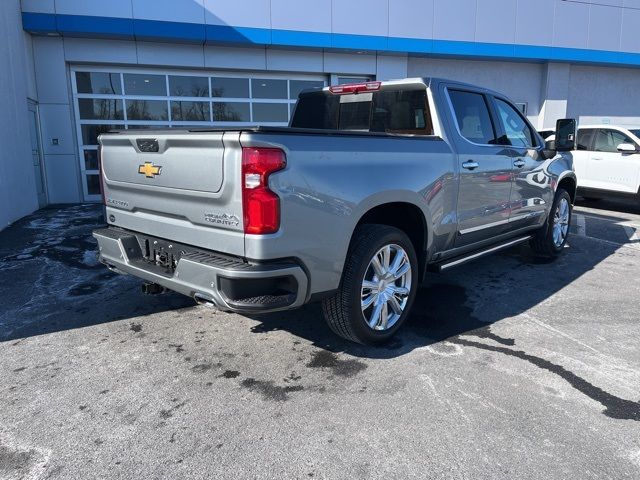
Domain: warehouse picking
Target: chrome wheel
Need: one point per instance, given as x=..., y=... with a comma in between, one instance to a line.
x=561, y=219
x=385, y=287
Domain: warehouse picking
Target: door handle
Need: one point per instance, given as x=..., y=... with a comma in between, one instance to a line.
x=519, y=163
x=596, y=158
x=470, y=165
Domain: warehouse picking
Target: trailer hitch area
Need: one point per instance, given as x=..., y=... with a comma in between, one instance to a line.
x=152, y=288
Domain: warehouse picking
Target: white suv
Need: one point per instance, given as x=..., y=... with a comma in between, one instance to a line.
x=607, y=160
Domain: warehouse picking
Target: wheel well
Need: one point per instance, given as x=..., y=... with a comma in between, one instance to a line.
x=403, y=216
x=569, y=184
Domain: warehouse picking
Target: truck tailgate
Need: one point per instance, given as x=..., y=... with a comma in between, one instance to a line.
x=178, y=185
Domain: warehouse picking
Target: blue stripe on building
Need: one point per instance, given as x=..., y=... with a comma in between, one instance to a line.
x=151, y=30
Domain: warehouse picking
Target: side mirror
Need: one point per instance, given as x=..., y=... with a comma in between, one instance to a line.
x=626, y=148
x=566, y=135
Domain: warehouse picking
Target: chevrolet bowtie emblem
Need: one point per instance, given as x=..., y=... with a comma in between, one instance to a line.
x=149, y=170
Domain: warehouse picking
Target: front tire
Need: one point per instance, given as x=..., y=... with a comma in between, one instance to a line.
x=378, y=286
x=552, y=237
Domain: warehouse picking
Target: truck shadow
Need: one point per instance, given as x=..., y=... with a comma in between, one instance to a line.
x=466, y=302
x=58, y=285
x=459, y=309
x=51, y=281
x=614, y=204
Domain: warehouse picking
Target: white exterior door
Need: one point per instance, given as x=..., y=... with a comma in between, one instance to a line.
x=609, y=169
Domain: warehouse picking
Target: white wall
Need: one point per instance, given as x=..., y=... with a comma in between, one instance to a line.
x=522, y=82
x=612, y=93
x=17, y=176
x=61, y=159
x=555, y=92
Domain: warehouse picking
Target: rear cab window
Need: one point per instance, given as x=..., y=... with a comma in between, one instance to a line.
x=402, y=111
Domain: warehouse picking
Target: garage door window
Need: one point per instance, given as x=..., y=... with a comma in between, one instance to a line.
x=107, y=99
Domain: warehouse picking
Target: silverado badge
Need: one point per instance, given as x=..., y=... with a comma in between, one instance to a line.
x=149, y=170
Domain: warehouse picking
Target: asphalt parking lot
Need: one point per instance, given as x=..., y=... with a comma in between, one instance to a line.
x=510, y=367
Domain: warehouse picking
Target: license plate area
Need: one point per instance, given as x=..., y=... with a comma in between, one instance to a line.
x=161, y=253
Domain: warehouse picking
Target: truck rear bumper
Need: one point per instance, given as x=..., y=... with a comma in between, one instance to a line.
x=230, y=283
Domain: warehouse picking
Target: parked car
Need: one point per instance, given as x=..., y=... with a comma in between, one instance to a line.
x=607, y=161
x=371, y=185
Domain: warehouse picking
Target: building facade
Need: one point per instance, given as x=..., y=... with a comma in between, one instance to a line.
x=80, y=67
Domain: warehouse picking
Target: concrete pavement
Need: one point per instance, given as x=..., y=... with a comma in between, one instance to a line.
x=510, y=367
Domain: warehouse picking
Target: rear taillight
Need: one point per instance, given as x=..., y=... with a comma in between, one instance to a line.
x=355, y=88
x=260, y=205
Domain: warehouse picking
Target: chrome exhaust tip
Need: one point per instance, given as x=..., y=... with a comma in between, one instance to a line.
x=202, y=299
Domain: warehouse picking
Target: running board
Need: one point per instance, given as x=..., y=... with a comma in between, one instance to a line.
x=446, y=265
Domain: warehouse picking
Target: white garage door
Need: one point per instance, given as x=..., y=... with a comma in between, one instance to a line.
x=108, y=98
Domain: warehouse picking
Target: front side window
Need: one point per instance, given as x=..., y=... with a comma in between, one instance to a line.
x=472, y=115
x=608, y=141
x=517, y=131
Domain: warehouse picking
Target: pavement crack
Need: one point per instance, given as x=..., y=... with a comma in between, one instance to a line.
x=168, y=413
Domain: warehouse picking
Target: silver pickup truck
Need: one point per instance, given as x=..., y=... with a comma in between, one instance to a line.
x=369, y=187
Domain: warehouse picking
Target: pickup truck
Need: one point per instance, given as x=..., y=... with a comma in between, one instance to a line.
x=371, y=186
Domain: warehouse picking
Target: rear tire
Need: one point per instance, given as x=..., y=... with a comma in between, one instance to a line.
x=378, y=286
x=552, y=237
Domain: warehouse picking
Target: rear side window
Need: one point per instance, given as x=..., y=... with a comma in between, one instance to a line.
x=516, y=129
x=388, y=111
x=585, y=136
x=472, y=115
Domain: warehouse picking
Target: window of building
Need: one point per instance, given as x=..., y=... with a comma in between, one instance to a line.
x=522, y=107
x=345, y=80
x=107, y=99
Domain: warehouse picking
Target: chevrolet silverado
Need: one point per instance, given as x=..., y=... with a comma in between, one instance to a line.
x=371, y=186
